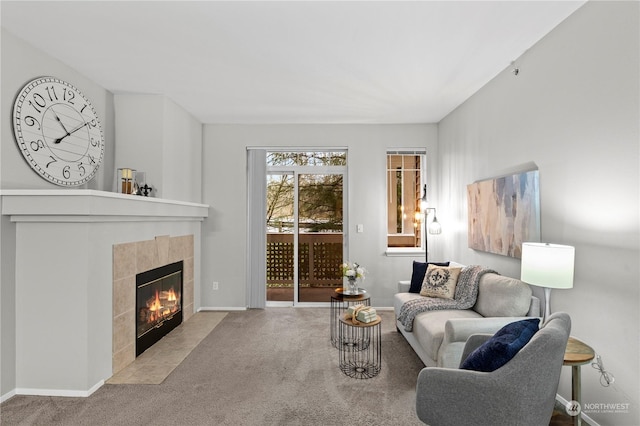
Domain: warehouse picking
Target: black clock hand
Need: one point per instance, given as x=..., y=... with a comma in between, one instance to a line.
x=70, y=133
x=59, y=121
x=77, y=128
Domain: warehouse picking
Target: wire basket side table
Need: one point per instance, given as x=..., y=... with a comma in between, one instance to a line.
x=361, y=349
x=339, y=305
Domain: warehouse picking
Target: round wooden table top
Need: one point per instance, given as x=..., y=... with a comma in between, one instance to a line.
x=577, y=352
x=348, y=321
x=350, y=297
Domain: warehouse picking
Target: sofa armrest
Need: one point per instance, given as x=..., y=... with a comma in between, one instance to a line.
x=534, y=308
x=460, y=329
x=404, y=286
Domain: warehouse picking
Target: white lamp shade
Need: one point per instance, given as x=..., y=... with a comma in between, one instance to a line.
x=547, y=265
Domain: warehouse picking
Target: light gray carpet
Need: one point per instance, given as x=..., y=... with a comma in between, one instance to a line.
x=260, y=367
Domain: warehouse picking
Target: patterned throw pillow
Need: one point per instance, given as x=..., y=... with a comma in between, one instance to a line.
x=440, y=281
x=417, y=276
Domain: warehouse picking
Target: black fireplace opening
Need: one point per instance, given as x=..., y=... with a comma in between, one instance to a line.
x=158, y=304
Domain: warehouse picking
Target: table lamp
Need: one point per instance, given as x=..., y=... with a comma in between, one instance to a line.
x=549, y=266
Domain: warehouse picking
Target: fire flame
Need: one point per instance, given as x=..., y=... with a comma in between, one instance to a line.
x=171, y=295
x=155, y=304
x=162, y=305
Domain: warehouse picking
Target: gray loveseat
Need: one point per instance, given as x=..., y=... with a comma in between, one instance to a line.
x=438, y=336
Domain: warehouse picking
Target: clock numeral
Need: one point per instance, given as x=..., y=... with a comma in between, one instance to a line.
x=53, y=160
x=92, y=160
x=36, y=145
x=81, y=169
x=82, y=109
x=66, y=172
x=51, y=90
x=94, y=142
x=30, y=121
x=38, y=100
x=68, y=95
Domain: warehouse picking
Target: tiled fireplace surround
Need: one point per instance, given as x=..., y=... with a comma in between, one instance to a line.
x=133, y=258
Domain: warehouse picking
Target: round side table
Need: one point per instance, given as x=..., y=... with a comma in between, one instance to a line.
x=361, y=350
x=339, y=305
x=577, y=354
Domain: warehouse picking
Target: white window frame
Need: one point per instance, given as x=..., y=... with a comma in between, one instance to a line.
x=404, y=251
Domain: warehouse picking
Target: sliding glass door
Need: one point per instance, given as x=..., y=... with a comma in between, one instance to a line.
x=320, y=236
x=305, y=232
x=281, y=239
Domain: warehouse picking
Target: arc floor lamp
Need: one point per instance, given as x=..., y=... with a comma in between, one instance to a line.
x=434, y=227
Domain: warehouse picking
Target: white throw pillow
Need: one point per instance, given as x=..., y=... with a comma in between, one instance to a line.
x=440, y=281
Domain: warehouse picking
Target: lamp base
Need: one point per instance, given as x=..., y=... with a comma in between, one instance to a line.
x=547, y=309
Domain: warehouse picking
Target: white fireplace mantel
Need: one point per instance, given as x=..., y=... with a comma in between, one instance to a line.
x=64, y=241
x=86, y=205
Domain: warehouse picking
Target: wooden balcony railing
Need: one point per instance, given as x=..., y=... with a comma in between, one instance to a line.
x=320, y=257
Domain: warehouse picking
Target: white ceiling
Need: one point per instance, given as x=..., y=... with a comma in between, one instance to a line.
x=292, y=61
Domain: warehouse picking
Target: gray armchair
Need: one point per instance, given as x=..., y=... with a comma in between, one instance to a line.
x=521, y=392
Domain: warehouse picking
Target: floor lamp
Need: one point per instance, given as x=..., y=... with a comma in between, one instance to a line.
x=549, y=266
x=434, y=226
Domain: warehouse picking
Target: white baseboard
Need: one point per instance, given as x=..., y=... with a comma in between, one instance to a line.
x=58, y=392
x=280, y=305
x=220, y=308
x=584, y=416
x=7, y=395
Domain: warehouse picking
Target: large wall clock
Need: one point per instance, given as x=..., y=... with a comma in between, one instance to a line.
x=58, y=131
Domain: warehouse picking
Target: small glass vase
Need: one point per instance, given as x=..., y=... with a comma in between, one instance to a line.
x=353, y=285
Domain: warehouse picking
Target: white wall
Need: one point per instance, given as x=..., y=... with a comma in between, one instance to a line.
x=138, y=128
x=225, y=189
x=573, y=111
x=156, y=136
x=182, y=161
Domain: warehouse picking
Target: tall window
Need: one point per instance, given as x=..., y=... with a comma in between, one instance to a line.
x=406, y=171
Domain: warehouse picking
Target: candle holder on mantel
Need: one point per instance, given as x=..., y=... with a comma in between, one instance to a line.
x=126, y=179
x=140, y=185
x=138, y=182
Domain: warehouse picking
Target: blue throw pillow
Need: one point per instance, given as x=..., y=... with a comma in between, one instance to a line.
x=419, y=270
x=502, y=347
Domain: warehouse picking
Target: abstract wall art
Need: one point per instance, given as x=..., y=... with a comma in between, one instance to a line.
x=503, y=213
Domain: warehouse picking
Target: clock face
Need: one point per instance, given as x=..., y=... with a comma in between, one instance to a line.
x=58, y=131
